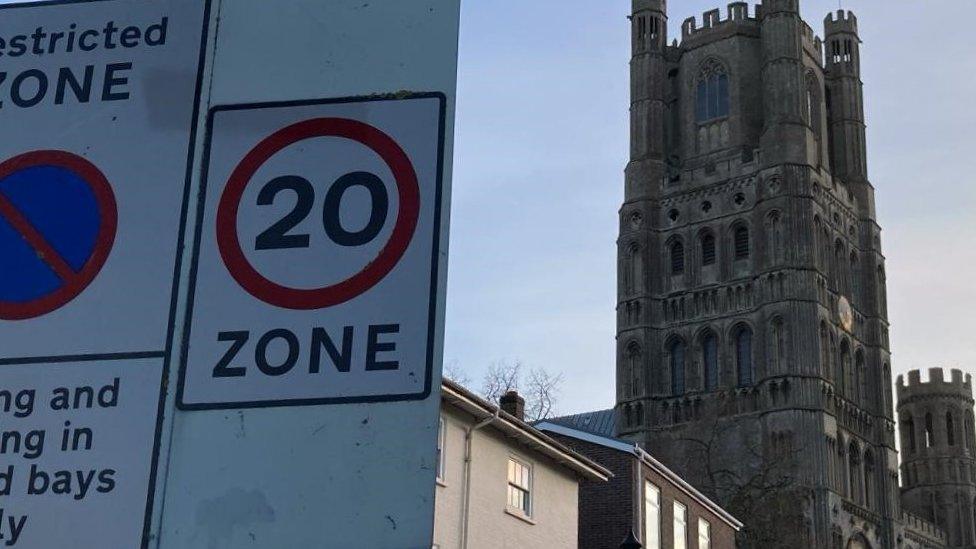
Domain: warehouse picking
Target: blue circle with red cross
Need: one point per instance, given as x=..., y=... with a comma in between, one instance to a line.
x=58, y=220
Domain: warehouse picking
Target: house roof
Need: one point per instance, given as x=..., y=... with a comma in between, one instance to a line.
x=456, y=395
x=600, y=422
x=562, y=427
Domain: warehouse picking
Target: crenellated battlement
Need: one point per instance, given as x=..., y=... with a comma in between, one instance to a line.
x=738, y=17
x=841, y=22
x=650, y=5
x=712, y=21
x=958, y=383
x=769, y=7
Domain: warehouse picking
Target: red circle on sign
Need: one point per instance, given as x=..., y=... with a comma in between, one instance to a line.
x=256, y=284
x=73, y=283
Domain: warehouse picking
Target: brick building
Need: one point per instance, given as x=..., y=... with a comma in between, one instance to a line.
x=643, y=497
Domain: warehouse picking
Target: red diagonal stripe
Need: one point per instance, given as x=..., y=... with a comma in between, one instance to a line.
x=44, y=250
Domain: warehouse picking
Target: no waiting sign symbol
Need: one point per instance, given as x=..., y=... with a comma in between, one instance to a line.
x=374, y=271
x=58, y=220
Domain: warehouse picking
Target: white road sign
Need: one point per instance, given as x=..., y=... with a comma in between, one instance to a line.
x=97, y=116
x=97, y=107
x=315, y=272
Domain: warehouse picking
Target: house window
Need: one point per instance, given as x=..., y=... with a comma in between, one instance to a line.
x=741, y=237
x=712, y=93
x=441, y=439
x=519, y=486
x=652, y=516
x=704, y=534
x=680, y=526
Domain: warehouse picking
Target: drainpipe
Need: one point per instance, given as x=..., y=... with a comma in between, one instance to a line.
x=639, y=490
x=466, y=492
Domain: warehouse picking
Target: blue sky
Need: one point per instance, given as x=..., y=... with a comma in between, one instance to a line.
x=542, y=140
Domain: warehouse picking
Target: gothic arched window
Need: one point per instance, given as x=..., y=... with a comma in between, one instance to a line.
x=712, y=99
x=854, y=468
x=677, y=352
x=677, y=258
x=813, y=113
x=950, y=429
x=838, y=265
x=634, y=363
x=825, y=352
x=929, y=431
x=908, y=425
x=633, y=270
x=740, y=237
x=775, y=242
x=710, y=360
x=869, y=473
x=743, y=356
x=970, y=440
x=708, y=255
x=846, y=379
x=860, y=383
x=777, y=343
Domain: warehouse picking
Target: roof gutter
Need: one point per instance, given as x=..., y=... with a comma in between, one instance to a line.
x=528, y=435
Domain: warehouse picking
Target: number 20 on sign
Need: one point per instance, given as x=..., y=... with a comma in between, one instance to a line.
x=315, y=273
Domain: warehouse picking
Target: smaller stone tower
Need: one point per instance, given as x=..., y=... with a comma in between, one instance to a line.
x=938, y=443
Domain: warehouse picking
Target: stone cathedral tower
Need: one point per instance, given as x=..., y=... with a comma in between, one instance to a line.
x=938, y=444
x=752, y=323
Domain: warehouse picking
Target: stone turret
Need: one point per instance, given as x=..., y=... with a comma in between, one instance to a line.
x=846, y=106
x=649, y=36
x=938, y=443
x=784, y=136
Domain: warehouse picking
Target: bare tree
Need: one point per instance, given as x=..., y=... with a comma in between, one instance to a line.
x=454, y=372
x=759, y=488
x=502, y=376
x=542, y=394
x=538, y=387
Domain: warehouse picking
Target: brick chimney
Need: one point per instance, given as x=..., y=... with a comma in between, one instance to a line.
x=513, y=404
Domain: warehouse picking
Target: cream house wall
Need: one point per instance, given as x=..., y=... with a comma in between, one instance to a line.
x=554, y=517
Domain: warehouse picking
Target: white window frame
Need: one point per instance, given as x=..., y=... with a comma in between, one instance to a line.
x=441, y=447
x=528, y=489
x=652, y=500
x=704, y=534
x=680, y=511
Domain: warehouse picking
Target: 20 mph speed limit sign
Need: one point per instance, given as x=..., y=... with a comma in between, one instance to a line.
x=315, y=267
